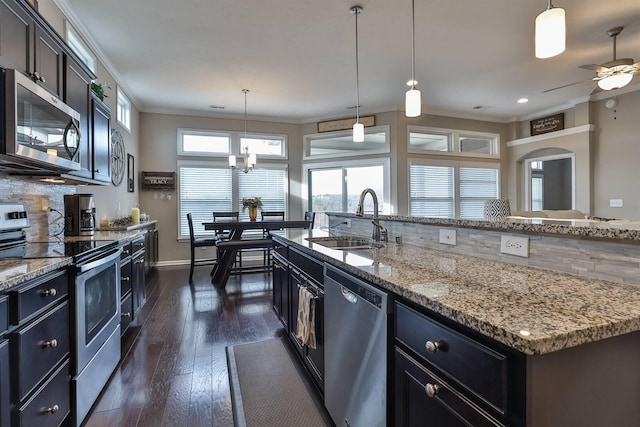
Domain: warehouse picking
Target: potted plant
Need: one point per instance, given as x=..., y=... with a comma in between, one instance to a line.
x=253, y=204
x=98, y=89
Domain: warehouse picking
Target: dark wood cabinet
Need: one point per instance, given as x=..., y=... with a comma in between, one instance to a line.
x=150, y=247
x=138, y=290
x=101, y=139
x=30, y=47
x=78, y=96
x=281, y=288
x=422, y=398
x=5, y=398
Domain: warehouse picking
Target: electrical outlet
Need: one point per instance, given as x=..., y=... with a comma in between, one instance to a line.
x=513, y=245
x=447, y=236
x=348, y=222
x=615, y=203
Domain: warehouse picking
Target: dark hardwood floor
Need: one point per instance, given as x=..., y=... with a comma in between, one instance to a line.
x=173, y=370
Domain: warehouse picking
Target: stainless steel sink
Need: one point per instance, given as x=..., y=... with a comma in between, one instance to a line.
x=346, y=242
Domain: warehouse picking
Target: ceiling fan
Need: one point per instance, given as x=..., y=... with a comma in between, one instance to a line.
x=611, y=75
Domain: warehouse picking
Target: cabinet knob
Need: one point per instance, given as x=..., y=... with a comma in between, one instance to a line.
x=51, y=410
x=126, y=315
x=50, y=344
x=125, y=279
x=125, y=251
x=49, y=292
x=432, y=389
x=432, y=346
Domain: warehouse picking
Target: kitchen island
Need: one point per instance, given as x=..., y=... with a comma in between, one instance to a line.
x=562, y=336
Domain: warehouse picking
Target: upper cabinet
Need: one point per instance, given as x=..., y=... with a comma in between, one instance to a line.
x=30, y=47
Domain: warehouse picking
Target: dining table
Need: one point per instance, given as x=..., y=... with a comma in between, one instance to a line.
x=229, y=247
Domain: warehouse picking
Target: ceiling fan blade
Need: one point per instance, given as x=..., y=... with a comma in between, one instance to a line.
x=563, y=86
x=594, y=67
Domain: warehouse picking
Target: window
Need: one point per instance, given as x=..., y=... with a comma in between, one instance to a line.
x=451, y=189
x=340, y=143
x=337, y=188
x=206, y=187
x=203, y=143
x=423, y=140
x=123, y=112
x=80, y=48
x=264, y=146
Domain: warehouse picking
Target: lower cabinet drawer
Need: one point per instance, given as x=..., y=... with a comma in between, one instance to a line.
x=468, y=362
x=4, y=314
x=37, y=348
x=43, y=292
x=50, y=404
x=125, y=277
x=424, y=399
x=126, y=312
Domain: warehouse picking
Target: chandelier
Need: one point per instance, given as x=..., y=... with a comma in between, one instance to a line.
x=249, y=158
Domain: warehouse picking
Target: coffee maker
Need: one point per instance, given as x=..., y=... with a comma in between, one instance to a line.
x=79, y=215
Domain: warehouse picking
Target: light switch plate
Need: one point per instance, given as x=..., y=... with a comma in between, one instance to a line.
x=448, y=236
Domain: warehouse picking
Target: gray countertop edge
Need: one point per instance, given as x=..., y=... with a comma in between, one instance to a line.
x=589, y=229
x=20, y=271
x=129, y=227
x=527, y=345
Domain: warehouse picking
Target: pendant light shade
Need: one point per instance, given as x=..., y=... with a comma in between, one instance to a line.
x=413, y=98
x=550, y=32
x=615, y=81
x=358, y=128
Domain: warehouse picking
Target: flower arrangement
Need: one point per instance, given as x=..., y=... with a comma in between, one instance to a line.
x=251, y=202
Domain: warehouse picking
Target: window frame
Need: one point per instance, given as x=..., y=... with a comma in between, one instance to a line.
x=123, y=109
x=80, y=48
x=384, y=149
x=454, y=137
x=456, y=165
x=234, y=147
x=201, y=132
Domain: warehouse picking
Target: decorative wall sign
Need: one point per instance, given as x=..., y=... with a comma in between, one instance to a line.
x=547, y=124
x=131, y=174
x=343, y=124
x=158, y=181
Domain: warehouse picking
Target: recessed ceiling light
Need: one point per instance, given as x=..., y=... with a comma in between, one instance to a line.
x=217, y=107
x=477, y=107
x=353, y=107
x=523, y=100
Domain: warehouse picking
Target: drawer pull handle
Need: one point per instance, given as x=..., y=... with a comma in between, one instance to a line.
x=50, y=344
x=49, y=292
x=125, y=251
x=432, y=389
x=125, y=279
x=52, y=410
x=432, y=346
x=126, y=314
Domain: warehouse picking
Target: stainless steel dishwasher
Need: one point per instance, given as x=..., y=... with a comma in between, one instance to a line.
x=355, y=321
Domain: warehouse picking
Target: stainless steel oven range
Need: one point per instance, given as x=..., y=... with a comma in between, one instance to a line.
x=95, y=300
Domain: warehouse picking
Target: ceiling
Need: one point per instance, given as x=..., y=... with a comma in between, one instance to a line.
x=297, y=57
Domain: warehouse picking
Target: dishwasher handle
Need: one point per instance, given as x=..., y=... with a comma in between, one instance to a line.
x=349, y=296
x=358, y=289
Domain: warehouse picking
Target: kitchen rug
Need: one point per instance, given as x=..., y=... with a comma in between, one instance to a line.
x=269, y=387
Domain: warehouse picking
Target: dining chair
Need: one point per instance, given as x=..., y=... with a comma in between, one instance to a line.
x=266, y=216
x=222, y=234
x=310, y=216
x=199, y=242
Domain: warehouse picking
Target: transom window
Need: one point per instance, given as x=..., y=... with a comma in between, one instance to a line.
x=80, y=48
x=197, y=142
x=423, y=140
x=203, y=143
x=340, y=143
x=123, y=110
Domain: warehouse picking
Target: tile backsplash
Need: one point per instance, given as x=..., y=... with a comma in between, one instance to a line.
x=37, y=195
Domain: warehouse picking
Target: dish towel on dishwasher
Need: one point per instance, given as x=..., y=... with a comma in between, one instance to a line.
x=306, y=327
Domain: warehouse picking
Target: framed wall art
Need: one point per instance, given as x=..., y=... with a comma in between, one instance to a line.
x=131, y=174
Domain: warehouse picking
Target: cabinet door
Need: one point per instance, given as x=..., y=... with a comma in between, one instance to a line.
x=314, y=357
x=16, y=37
x=293, y=289
x=101, y=135
x=281, y=290
x=48, y=62
x=138, y=283
x=421, y=398
x=78, y=97
x=5, y=399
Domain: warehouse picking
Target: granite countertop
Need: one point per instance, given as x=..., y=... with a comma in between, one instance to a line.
x=14, y=272
x=130, y=227
x=531, y=310
x=625, y=230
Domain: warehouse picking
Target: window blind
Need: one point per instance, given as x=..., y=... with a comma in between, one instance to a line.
x=476, y=186
x=202, y=191
x=432, y=191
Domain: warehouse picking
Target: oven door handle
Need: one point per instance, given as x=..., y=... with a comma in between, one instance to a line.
x=101, y=260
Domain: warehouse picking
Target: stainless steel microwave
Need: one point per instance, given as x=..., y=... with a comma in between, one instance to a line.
x=41, y=133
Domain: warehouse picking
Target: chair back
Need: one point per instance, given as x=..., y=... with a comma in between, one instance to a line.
x=191, y=233
x=230, y=215
x=310, y=216
x=272, y=215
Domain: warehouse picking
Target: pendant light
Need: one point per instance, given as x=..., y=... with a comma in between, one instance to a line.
x=550, y=32
x=249, y=159
x=358, y=128
x=413, y=99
